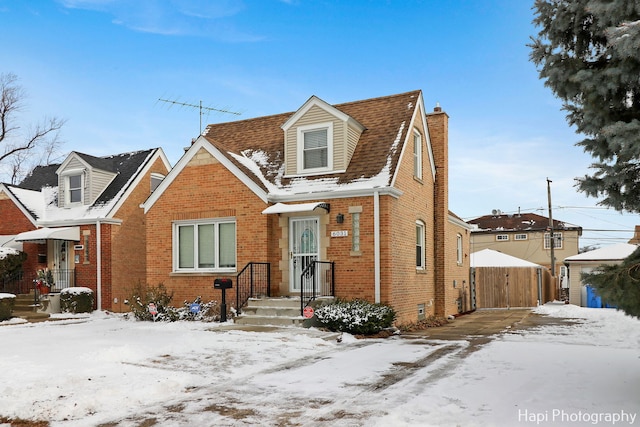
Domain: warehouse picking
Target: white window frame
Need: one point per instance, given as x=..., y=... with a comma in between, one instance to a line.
x=459, y=249
x=557, y=240
x=156, y=180
x=328, y=126
x=67, y=186
x=195, y=223
x=520, y=236
x=420, y=243
x=417, y=154
x=502, y=237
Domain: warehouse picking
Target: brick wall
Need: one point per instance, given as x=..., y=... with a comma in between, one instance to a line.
x=12, y=222
x=205, y=189
x=438, y=123
x=128, y=244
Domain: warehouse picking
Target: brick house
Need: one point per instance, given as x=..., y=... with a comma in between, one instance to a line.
x=346, y=200
x=82, y=220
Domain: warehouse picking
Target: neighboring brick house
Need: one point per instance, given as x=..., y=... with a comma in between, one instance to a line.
x=352, y=197
x=526, y=236
x=82, y=220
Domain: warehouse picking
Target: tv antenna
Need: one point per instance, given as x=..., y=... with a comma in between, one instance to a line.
x=199, y=107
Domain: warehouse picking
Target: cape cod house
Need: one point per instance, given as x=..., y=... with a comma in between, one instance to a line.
x=345, y=200
x=81, y=219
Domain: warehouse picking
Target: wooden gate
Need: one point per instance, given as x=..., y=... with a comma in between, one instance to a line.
x=504, y=287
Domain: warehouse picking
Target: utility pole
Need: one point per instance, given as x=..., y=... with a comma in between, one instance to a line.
x=551, y=236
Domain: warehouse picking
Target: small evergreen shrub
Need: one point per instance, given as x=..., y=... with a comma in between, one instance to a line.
x=7, y=302
x=356, y=317
x=76, y=300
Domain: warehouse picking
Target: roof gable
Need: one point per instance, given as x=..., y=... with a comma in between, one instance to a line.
x=126, y=171
x=28, y=201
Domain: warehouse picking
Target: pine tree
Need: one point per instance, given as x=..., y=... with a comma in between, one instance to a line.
x=619, y=285
x=588, y=53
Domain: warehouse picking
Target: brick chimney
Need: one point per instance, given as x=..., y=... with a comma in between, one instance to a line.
x=438, y=126
x=635, y=240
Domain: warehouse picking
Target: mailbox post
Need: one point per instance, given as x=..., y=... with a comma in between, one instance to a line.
x=223, y=285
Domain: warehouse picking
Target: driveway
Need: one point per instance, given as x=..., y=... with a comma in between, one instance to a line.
x=485, y=323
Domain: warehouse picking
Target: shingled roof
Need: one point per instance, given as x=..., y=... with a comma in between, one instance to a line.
x=518, y=222
x=256, y=145
x=45, y=180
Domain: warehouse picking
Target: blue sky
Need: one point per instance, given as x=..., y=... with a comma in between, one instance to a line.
x=103, y=65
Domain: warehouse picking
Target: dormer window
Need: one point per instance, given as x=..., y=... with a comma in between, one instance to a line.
x=315, y=148
x=75, y=188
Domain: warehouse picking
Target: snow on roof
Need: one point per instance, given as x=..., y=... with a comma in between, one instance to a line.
x=608, y=253
x=44, y=204
x=491, y=258
x=7, y=251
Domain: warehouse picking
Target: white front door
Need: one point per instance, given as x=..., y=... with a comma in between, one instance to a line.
x=61, y=263
x=303, y=247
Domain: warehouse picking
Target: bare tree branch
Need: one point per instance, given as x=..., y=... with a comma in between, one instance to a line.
x=32, y=147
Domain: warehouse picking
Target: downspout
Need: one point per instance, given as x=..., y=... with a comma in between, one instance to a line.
x=99, y=265
x=376, y=244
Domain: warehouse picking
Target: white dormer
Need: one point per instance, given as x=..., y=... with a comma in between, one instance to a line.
x=80, y=182
x=319, y=139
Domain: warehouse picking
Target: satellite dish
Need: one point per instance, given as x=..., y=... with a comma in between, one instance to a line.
x=494, y=212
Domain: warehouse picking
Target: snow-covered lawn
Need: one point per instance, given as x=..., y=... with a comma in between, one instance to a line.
x=102, y=369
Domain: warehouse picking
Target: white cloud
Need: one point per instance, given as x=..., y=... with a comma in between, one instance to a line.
x=197, y=18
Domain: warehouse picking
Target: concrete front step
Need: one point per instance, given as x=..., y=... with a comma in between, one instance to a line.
x=284, y=311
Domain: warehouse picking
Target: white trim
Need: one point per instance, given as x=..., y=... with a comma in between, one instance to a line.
x=202, y=142
x=279, y=208
x=175, y=245
x=315, y=101
x=336, y=194
x=300, y=131
x=99, y=265
x=417, y=173
x=419, y=107
x=423, y=245
x=16, y=201
x=146, y=165
x=376, y=246
x=62, y=233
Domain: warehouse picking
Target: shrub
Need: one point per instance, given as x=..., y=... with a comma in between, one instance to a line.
x=206, y=312
x=76, y=300
x=7, y=302
x=143, y=295
x=356, y=317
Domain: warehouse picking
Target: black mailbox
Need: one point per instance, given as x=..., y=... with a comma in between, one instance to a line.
x=222, y=284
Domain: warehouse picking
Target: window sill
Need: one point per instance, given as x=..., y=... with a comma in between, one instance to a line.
x=355, y=253
x=202, y=273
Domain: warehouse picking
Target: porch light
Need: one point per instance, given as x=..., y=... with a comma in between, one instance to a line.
x=339, y=218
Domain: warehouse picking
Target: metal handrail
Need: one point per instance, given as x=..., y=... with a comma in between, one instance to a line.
x=316, y=280
x=253, y=280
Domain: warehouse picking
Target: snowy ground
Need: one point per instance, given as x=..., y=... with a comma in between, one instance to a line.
x=104, y=370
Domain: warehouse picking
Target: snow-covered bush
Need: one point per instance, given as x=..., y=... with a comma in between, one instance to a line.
x=356, y=317
x=152, y=303
x=7, y=302
x=76, y=300
x=143, y=295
